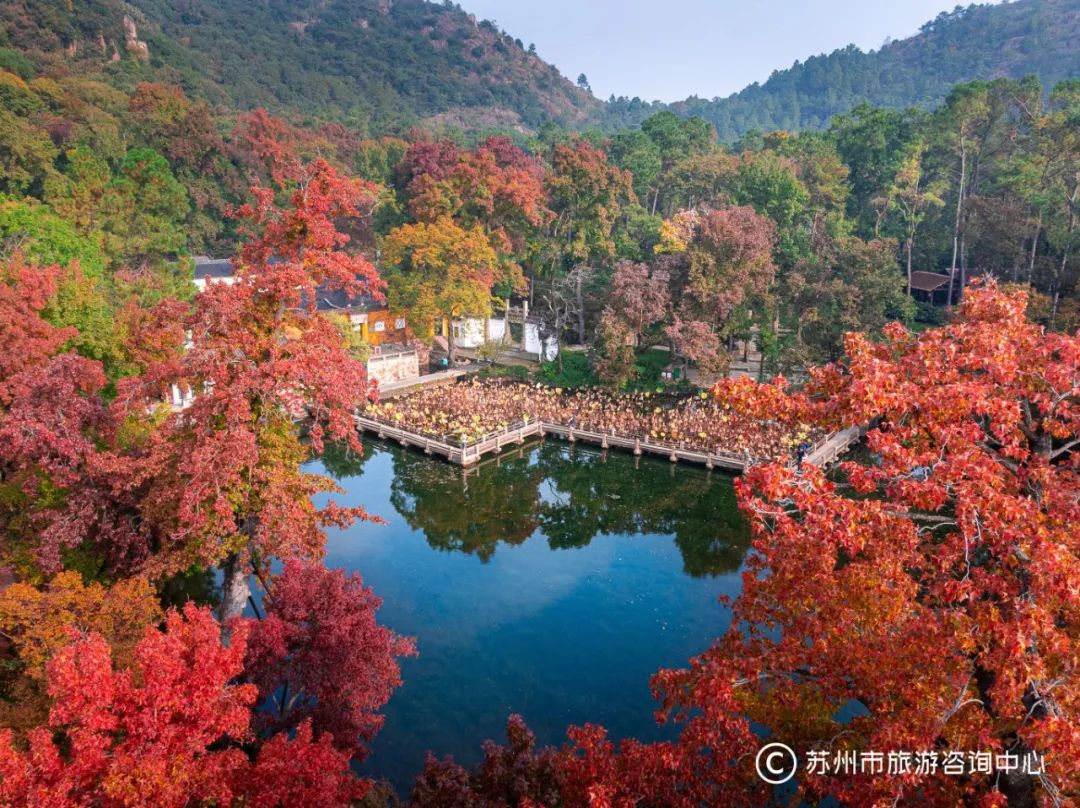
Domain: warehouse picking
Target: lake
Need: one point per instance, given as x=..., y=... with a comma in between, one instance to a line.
x=552, y=583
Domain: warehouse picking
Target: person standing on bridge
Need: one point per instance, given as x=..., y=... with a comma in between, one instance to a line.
x=801, y=452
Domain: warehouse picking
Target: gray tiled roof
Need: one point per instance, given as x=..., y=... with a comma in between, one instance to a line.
x=212, y=267
x=327, y=300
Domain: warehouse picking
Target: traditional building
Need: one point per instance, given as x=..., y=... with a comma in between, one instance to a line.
x=395, y=354
x=535, y=341
x=376, y=324
x=473, y=332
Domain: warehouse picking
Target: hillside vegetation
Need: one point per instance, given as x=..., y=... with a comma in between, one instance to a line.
x=383, y=66
x=1010, y=40
x=379, y=65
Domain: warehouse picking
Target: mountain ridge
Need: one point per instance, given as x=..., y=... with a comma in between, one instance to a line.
x=991, y=40
x=383, y=66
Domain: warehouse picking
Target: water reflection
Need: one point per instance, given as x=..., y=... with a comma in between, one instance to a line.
x=553, y=583
x=593, y=495
x=469, y=511
x=340, y=461
x=197, y=586
x=571, y=503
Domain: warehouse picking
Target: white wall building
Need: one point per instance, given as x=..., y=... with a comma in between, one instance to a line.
x=544, y=350
x=469, y=331
x=388, y=364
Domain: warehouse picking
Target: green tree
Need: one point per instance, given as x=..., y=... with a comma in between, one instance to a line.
x=26, y=155
x=1062, y=128
x=912, y=195
x=848, y=285
x=872, y=143
x=81, y=302
x=636, y=152
x=45, y=237
x=79, y=193
x=144, y=208
x=677, y=139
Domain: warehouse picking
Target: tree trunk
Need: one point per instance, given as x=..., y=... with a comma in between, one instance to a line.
x=524, y=325
x=879, y=217
x=1034, y=247
x=907, y=249
x=579, y=304
x=963, y=271
x=450, y=347
x=959, y=205
x=235, y=590
x=959, y=212
x=1064, y=255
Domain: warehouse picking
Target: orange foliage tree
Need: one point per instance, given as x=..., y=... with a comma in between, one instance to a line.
x=439, y=270
x=926, y=599
x=39, y=622
x=930, y=599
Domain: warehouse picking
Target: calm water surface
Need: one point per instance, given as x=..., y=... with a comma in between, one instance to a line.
x=551, y=584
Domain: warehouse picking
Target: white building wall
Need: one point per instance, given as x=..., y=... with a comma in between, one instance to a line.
x=469, y=331
x=546, y=351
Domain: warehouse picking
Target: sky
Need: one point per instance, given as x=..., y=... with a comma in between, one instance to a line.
x=667, y=50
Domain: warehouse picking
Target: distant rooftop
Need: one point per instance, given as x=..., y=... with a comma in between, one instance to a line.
x=338, y=300
x=928, y=281
x=212, y=267
x=326, y=299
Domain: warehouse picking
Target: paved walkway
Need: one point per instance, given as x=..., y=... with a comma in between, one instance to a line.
x=394, y=389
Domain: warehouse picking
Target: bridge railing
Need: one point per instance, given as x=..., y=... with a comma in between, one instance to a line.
x=821, y=452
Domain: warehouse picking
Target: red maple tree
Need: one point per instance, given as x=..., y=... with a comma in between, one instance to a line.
x=928, y=600
x=65, y=482
x=924, y=600
x=318, y=655
x=173, y=731
x=227, y=486
x=26, y=339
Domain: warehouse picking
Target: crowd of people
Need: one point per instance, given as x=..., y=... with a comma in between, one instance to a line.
x=467, y=411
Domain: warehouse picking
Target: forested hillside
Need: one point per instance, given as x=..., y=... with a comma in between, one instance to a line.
x=378, y=65
x=382, y=66
x=1028, y=37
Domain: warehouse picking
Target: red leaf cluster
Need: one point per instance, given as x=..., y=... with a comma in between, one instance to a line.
x=167, y=733
x=318, y=656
